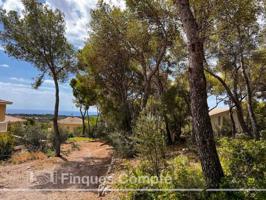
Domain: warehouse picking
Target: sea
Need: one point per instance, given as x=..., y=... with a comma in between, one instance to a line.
x=45, y=112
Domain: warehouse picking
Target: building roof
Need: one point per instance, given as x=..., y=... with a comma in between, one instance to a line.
x=216, y=111
x=12, y=119
x=5, y=102
x=71, y=120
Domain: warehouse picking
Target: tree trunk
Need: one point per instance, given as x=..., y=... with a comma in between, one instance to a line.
x=251, y=113
x=97, y=118
x=233, y=124
x=83, y=121
x=55, y=120
x=240, y=117
x=89, y=126
x=168, y=132
x=210, y=162
x=146, y=94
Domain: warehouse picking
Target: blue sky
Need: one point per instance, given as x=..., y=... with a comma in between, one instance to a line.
x=17, y=76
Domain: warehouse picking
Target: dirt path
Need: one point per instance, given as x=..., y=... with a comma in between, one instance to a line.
x=79, y=170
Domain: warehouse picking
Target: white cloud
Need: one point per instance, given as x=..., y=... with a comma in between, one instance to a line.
x=2, y=48
x=20, y=80
x=48, y=82
x=4, y=65
x=12, y=5
x=77, y=15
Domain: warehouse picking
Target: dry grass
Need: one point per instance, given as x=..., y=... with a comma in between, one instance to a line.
x=27, y=156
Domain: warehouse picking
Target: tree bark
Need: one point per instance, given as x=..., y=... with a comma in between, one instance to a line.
x=55, y=120
x=168, y=132
x=83, y=120
x=251, y=113
x=233, y=124
x=89, y=126
x=210, y=162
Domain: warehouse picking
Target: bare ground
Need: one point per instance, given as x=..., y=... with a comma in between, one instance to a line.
x=32, y=180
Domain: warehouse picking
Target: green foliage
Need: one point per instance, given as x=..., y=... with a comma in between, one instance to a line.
x=6, y=145
x=180, y=173
x=76, y=132
x=244, y=164
x=35, y=137
x=16, y=129
x=50, y=152
x=38, y=37
x=32, y=135
x=80, y=139
x=149, y=136
x=122, y=143
x=84, y=91
x=64, y=135
x=260, y=111
x=175, y=106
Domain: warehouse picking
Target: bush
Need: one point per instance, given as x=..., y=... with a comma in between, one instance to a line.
x=35, y=137
x=78, y=132
x=32, y=135
x=64, y=135
x=263, y=134
x=122, y=144
x=16, y=129
x=149, y=136
x=244, y=161
x=6, y=145
x=180, y=173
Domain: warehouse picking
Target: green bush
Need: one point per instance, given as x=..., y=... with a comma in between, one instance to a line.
x=35, y=137
x=32, y=135
x=149, y=136
x=17, y=129
x=122, y=144
x=78, y=132
x=180, y=173
x=6, y=145
x=263, y=134
x=64, y=135
x=244, y=161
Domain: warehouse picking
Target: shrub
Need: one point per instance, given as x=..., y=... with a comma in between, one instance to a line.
x=32, y=135
x=77, y=132
x=263, y=134
x=244, y=161
x=35, y=137
x=64, y=135
x=122, y=144
x=180, y=173
x=18, y=130
x=6, y=145
x=149, y=136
